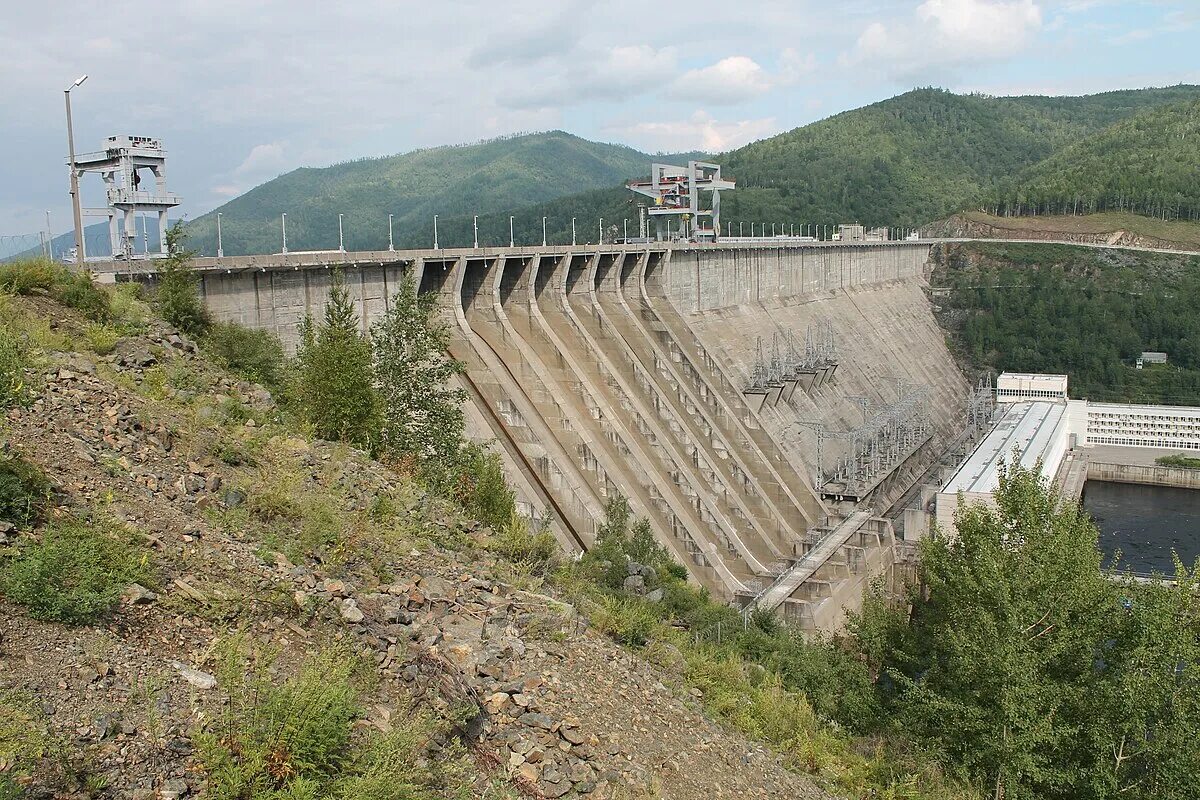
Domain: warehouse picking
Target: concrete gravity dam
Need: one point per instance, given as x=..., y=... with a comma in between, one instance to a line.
x=762, y=404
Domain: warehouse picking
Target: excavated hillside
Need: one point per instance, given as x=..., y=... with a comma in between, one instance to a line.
x=250, y=533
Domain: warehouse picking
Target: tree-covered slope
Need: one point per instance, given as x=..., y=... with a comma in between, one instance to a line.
x=493, y=176
x=918, y=156
x=1148, y=164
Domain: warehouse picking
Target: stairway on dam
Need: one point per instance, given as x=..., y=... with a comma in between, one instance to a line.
x=623, y=369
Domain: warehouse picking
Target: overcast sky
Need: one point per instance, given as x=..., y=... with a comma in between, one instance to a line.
x=241, y=91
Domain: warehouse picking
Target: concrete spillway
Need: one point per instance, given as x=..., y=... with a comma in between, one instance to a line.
x=623, y=369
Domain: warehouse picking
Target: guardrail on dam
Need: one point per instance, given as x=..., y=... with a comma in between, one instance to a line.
x=622, y=367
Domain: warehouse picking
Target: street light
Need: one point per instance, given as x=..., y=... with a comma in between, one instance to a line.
x=511, y=239
x=283, y=224
x=341, y=241
x=572, y=230
x=391, y=247
x=543, y=231
x=475, y=228
x=435, y=242
x=601, y=239
x=625, y=231
x=79, y=253
x=220, y=249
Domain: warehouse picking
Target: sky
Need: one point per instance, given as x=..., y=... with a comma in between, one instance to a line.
x=241, y=91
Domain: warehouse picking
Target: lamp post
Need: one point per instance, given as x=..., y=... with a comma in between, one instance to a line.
x=283, y=224
x=572, y=230
x=543, y=231
x=391, y=247
x=625, y=231
x=601, y=239
x=475, y=229
x=341, y=241
x=435, y=242
x=79, y=253
x=220, y=249
x=49, y=238
x=512, y=242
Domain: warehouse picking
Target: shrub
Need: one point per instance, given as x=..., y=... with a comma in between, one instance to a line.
x=482, y=490
x=284, y=737
x=14, y=360
x=74, y=289
x=336, y=387
x=24, y=491
x=75, y=574
x=100, y=338
x=630, y=621
x=253, y=355
x=178, y=294
x=516, y=542
x=28, y=276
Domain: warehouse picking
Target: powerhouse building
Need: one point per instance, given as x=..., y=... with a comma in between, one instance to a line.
x=1036, y=422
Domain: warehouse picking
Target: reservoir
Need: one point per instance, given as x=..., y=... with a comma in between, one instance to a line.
x=1145, y=523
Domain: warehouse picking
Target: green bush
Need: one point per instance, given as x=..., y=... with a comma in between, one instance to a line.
x=101, y=339
x=74, y=289
x=482, y=490
x=24, y=491
x=515, y=541
x=178, y=294
x=24, y=742
x=253, y=355
x=284, y=738
x=76, y=573
x=336, y=389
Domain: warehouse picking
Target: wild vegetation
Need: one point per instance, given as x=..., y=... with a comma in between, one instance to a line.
x=1178, y=460
x=1084, y=313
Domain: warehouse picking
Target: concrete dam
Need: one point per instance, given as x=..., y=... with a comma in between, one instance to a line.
x=762, y=405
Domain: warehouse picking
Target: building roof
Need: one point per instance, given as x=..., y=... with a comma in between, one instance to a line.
x=1033, y=378
x=1032, y=428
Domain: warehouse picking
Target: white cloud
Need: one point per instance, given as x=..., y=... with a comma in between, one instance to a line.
x=589, y=75
x=262, y=159
x=700, y=131
x=730, y=80
x=947, y=34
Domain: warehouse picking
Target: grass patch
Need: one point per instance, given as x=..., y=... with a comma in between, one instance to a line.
x=101, y=339
x=1178, y=460
x=253, y=355
x=14, y=361
x=295, y=738
x=76, y=572
x=24, y=491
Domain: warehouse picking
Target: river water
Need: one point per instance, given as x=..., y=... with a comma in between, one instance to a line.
x=1145, y=523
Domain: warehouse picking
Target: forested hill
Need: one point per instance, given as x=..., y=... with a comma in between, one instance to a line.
x=919, y=156
x=1148, y=164
x=498, y=175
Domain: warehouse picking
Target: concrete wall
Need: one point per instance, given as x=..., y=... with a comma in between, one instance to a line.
x=1145, y=474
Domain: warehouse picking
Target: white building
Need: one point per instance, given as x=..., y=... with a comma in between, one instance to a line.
x=1029, y=432
x=1170, y=427
x=1012, y=387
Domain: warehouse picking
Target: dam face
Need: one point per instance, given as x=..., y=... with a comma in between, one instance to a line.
x=626, y=369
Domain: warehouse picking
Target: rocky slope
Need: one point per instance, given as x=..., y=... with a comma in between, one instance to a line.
x=220, y=493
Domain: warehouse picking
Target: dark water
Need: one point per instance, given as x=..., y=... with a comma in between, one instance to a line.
x=1145, y=523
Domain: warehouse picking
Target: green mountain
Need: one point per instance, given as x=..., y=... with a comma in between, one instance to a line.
x=907, y=160
x=500, y=175
x=1148, y=164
